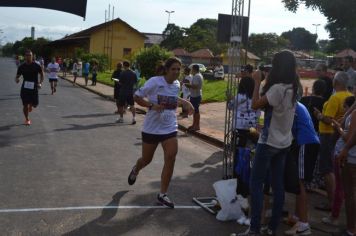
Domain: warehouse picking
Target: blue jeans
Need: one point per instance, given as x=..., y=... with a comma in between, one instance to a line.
x=268, y=160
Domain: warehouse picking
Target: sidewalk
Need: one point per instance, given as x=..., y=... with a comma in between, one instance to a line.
x=212, y=121
x=212, y=130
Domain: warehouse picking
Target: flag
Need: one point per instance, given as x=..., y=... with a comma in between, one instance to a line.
x=77, y=7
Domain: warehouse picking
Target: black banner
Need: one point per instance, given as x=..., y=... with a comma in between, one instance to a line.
x=77, y=7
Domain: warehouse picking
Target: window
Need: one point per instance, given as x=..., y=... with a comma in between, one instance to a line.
x=127, y=51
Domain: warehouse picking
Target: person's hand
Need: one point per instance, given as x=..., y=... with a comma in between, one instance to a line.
x=257, y=76
x=39, y=85
x=17, y=80
x=316, y=113
x=337, y=126
x=342, y=157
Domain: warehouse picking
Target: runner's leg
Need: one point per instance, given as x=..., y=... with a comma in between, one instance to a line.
x=170, y=148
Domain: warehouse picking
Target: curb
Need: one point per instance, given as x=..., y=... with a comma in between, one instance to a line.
x=205, y=137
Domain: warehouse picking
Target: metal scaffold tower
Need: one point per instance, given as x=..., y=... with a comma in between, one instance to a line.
x=235, y=62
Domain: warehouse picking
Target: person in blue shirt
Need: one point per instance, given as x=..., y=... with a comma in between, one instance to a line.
x=305, y=150
x=86, y=68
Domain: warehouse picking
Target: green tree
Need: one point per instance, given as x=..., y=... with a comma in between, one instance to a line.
x=203, y=34
x=173, y=37
x=341, y=15
x=147, y=58
x=301, y=39
x=7, y=50
x=265, y=44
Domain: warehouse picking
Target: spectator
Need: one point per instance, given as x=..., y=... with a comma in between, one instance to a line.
x=348, y=68
x=115, y=76
x=75, y=70
x=347, y=160
x=127, y=81
x=94, y=72
x=304, y=151
x=278, y=100
x=315, y=100
x=186, y=91
x=321, y=71
x=332, y=109
x=195, y=88
x=86, y=69
x=333, y=218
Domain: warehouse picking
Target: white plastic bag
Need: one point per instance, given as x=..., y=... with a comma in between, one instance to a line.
x=226, y=194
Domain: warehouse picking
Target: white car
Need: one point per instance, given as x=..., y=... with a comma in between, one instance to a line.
x=202, y=68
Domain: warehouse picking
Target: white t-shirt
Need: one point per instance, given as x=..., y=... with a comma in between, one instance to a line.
x=158, y=91
x=279, y=116
x=197, y=80
x=185, y=90
x=245, y=116
x=53, y=68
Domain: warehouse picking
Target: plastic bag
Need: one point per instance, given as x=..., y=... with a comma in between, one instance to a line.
x=226, y=194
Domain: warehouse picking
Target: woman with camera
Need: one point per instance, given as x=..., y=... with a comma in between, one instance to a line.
x=278, y=100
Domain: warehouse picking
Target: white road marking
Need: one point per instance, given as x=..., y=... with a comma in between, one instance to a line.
x=91, y=208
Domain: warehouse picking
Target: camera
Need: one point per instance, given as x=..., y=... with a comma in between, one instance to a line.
x=265, y=68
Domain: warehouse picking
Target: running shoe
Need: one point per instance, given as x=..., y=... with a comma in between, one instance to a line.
x=163, y=199
x=120, y=120
x=132, y=176
x=298, y=230
x=329, y=220
x=27, y=122
x=133, y=122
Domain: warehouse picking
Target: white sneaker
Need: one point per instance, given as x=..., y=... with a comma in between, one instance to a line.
x=241, y=220
x=243, y=202
x=120, y=120
x=298, y=230
x=329, y=220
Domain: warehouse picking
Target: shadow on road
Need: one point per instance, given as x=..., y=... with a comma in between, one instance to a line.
x=76, y=127
x=89, y=115
x=102, y=226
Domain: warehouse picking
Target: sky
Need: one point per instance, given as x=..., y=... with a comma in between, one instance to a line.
x=267, y=16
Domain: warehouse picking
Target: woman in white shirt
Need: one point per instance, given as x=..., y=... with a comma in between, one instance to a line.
x=160, y=95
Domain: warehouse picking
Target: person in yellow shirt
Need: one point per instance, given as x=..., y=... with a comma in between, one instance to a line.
x=332, y=110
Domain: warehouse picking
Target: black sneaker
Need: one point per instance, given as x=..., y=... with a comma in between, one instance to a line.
x=133, y=122
x=164, y=200
x=132, y=176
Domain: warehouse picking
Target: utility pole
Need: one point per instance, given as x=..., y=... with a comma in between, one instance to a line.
x=316, y=29
x=169, y=15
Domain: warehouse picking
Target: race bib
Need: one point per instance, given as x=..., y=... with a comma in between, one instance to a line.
x=167, y=117
x=29, y=85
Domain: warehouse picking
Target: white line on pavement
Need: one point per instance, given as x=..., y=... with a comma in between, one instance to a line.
x=91, y=208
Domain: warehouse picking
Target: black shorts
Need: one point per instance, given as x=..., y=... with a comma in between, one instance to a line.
x=52, y=79
x=116, y=91
x=156, y=138
x=306, y=156
x=195, y=101
x=126, y=100
x=29, y=97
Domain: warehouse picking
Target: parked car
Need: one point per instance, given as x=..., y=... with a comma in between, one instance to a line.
x=202, y=68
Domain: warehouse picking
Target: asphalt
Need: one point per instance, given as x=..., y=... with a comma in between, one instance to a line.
x=212, y=131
